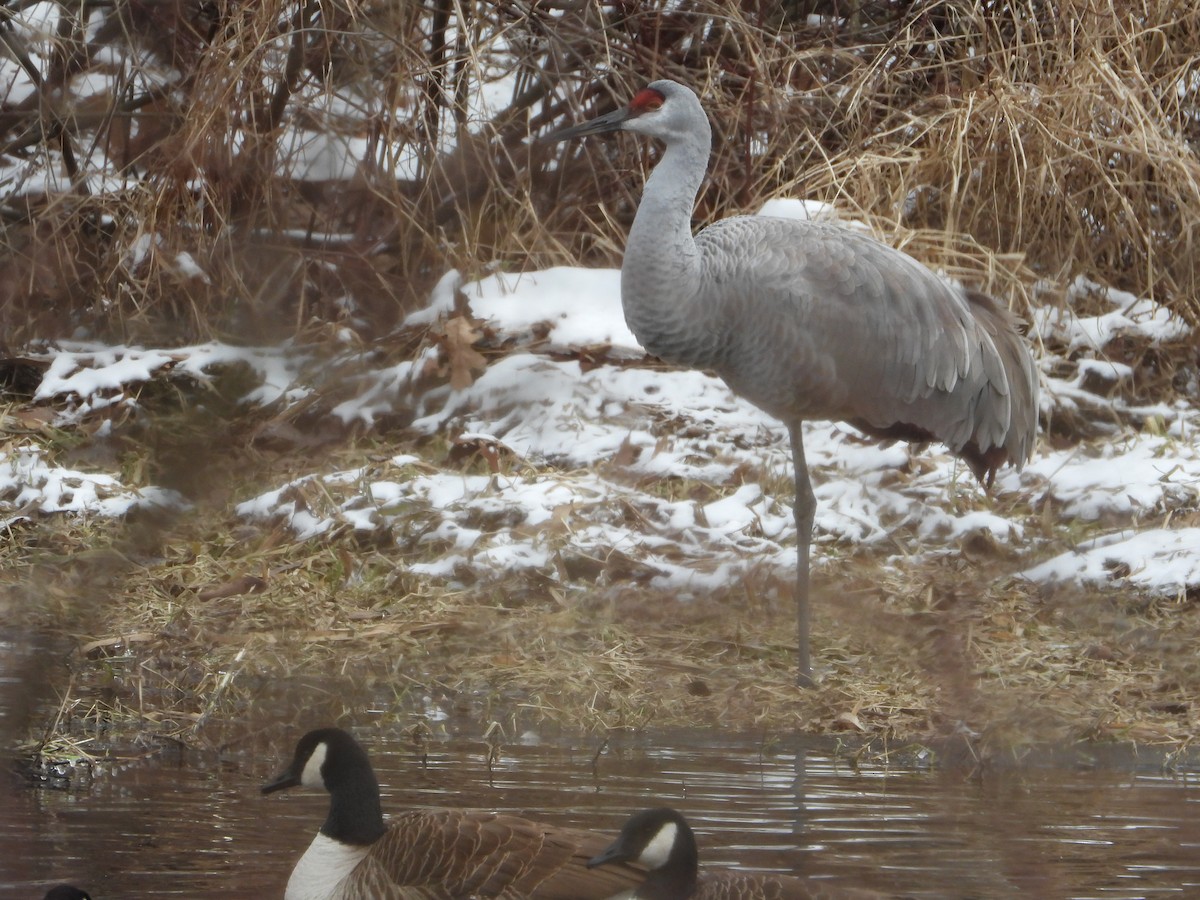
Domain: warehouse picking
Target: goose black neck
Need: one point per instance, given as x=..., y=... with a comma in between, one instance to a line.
x=355, y=814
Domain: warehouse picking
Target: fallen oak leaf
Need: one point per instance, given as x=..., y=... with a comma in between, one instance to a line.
x=459, y=338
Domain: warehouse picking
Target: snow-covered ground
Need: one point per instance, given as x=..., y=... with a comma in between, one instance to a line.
x=605, y=449
x=589, y=447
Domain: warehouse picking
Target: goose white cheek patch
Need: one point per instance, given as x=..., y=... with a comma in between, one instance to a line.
x=311, y=776
x=659, y=848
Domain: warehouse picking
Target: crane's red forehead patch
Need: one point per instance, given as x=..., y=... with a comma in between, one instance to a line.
x=646, y=99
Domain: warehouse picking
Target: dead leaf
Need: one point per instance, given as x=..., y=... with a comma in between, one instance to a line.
x=460, y=335
x=848, y=721
x=33, y=418
x=315, y=636
x=626, y=454
x=594, y=357
x=490, y=451
x=243, y=584
x=361, y=615
x=138, y=637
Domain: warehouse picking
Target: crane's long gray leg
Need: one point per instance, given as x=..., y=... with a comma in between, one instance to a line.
x=805, y=510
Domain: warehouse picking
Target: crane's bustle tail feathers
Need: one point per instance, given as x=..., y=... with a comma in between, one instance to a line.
x=982, y=463
x=1021, y=371
x=1004, y=412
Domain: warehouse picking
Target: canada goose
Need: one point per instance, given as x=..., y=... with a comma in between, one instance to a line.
x=662, y=840
x=429, y=854
x=66, y=892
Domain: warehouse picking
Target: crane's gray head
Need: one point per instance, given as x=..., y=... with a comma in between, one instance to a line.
x=663, y=109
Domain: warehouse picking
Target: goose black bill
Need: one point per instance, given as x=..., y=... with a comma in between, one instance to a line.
x=283, y=780
x=612, y=853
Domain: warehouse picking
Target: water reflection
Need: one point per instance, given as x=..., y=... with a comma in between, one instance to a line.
x=190, y=823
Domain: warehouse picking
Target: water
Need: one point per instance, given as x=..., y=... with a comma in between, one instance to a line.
x=167, y=820
x=183, y=822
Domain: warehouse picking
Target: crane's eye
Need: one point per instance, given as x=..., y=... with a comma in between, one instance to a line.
x=646, y=100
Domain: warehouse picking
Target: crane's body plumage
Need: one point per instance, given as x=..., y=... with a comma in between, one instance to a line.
x=819, y=322
x=812, y=320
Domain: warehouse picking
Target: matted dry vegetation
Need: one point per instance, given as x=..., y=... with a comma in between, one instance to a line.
x=1015, y=144
x=1004, y=141
x=199, y=625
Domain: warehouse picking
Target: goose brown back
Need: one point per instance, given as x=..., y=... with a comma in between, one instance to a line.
x=460, y=853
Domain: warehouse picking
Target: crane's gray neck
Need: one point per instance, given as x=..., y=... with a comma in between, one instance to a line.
x=660, y=274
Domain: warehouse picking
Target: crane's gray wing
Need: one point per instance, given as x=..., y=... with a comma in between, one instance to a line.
x=820, y=322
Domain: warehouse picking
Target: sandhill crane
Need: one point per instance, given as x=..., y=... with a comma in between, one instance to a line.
x=811, y=320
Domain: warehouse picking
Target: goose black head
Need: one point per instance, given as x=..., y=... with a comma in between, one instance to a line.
x=330, y=758
x=659, y=839
x=66, y=892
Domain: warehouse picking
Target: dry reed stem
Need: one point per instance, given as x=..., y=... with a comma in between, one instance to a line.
x=1063, y=143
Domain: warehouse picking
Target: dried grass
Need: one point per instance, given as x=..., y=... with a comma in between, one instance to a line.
x=1006, y=142
x=188, y=629
x=986, y=138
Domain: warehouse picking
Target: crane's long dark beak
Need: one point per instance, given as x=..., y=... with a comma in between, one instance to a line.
x=614, y=852
x=600, y=125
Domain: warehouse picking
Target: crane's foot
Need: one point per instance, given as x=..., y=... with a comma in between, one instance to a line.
x=805, y=680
